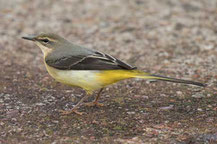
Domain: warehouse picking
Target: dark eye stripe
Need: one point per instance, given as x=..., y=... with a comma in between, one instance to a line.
x=45, y=40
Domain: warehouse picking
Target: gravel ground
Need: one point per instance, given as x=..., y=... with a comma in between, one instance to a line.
x=176, y=38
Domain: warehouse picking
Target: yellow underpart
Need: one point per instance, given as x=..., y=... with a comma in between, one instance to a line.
x=107, y=77
x=91, y=80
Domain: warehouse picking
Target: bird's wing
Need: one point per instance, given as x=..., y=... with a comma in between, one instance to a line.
x=92, y=61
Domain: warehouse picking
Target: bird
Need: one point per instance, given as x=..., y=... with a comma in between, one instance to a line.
x=89, y=69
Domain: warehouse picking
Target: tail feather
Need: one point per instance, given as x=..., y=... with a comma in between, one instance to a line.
x=163, y=78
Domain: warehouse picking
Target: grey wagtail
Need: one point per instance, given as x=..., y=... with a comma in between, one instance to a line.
x=89, y=69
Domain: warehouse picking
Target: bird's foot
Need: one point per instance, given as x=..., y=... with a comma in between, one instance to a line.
x=94, y=103
x=67, y=112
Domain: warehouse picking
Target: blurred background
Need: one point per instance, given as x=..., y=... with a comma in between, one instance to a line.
x=176, y=38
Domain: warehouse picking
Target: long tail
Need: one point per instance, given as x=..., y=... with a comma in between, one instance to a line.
x=163, y=78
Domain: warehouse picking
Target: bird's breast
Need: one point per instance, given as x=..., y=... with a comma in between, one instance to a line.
x=86, y=79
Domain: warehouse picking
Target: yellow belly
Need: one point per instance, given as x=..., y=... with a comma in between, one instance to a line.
x=84, y=79
x=89, y=80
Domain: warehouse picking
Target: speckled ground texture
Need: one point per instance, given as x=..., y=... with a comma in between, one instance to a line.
x=176, y=38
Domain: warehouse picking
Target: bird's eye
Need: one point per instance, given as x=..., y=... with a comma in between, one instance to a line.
x=45, y=40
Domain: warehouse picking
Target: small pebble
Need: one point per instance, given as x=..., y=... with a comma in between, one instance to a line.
x=167, y=107
x=199, y=109
x=179, y=93
x=130, y=113
x=198, y=95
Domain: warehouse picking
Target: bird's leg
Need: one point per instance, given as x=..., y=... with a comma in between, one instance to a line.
x=74, y=109
x=95, y=102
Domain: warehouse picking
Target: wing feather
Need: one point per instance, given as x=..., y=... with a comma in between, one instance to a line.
x=95, y=61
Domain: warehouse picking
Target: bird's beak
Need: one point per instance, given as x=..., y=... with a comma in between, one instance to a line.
x=32, y=38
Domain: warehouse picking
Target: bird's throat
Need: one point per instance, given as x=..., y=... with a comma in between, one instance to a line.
x=45, y=50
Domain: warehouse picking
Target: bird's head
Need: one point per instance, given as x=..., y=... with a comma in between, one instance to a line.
x=47, y=41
